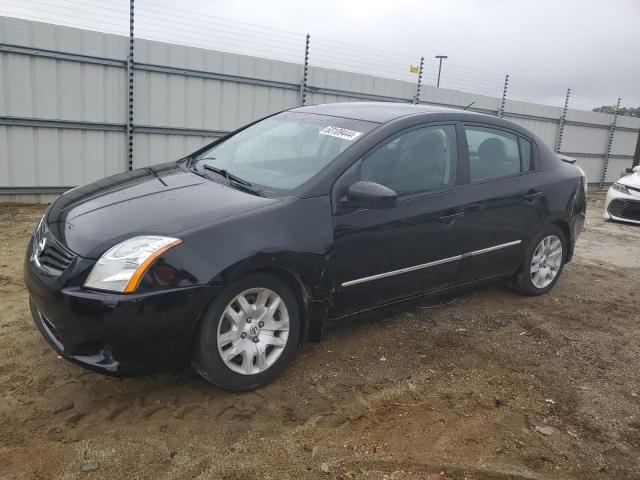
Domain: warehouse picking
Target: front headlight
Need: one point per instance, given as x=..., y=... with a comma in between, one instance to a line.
x=620, y=188
x=121, y=268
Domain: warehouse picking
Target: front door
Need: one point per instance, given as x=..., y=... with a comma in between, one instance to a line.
x=386, y=254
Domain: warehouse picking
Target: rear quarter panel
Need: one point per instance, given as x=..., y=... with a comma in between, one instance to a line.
x=565, y=198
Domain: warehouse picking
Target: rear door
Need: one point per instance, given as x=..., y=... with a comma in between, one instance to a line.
x=504, y=201
x=385, y=254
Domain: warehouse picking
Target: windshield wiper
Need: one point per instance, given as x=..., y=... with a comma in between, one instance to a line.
x=220, y=171
x=231, y=179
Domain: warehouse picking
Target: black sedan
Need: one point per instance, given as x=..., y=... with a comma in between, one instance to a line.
x=232, y=256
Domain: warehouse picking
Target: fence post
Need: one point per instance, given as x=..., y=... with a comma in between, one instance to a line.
x=130, y=107
x=416, y=99
x=563, y=119
x=504, y=96
x=305, y=73
x=636, y=155
x=612, y=132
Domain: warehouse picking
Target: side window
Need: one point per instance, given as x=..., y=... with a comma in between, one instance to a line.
x=492, y=153
x=418, y=161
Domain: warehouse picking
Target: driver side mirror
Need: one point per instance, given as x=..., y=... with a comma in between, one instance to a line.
x=370, y=195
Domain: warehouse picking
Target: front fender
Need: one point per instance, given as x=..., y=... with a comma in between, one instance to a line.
x=294, y=236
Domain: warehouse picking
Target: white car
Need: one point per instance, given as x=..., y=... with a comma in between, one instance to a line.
x=623, y=199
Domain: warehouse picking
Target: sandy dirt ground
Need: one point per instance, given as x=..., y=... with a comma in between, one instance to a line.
x=487, y=385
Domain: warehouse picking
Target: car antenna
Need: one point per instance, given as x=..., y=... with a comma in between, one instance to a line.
x=469, y=105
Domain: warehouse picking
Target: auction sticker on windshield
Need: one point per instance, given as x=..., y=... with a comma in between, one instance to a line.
x=343, y=133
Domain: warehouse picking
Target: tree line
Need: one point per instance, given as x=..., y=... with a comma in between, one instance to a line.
x=625, y=111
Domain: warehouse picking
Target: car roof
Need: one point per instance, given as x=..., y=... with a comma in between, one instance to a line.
x=379, y=112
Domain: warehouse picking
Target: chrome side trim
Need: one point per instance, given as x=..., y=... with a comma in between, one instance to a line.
x=430, y=264
x=402, y=270
x=491, y=249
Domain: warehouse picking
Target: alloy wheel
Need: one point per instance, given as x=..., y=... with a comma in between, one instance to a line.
x=546, y=261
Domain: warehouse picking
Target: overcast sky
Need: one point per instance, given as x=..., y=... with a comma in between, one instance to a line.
x=545, y=45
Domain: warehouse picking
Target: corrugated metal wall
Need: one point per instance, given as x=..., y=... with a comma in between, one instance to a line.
x=63, y=105
x=186, y=100
x=37, y=87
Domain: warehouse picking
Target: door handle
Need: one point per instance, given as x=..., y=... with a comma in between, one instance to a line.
x=448, y=220
x=533, y=195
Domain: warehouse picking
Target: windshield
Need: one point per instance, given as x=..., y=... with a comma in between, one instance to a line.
x=284, y=151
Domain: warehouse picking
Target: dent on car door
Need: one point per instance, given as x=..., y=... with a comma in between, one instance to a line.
x=383, y=254
x=505, y=201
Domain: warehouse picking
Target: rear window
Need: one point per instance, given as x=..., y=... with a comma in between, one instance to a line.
x=525, y=154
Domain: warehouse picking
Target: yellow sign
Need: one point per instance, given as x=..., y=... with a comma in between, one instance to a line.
x=414, y=68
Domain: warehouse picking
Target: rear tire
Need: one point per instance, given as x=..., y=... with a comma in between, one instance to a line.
x=543, y=262
x=248, y=334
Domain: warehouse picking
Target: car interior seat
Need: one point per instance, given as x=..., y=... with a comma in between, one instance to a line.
x=492, y=160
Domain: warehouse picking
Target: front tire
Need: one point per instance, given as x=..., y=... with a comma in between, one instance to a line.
x=543, y=263
x=248, y=334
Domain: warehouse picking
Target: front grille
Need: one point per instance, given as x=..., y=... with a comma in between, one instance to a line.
x=625, y=209
x=55, y=258
x=48, y=253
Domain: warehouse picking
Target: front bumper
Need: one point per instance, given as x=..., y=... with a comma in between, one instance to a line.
x=115, y=334
x=622, y=207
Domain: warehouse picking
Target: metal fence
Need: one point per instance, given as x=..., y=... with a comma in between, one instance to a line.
x=77, y=105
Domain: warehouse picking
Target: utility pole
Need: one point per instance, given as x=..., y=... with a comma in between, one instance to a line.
x=440, y=57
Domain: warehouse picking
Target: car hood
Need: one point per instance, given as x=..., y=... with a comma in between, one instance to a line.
x=632, y=180
x=159, y=200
